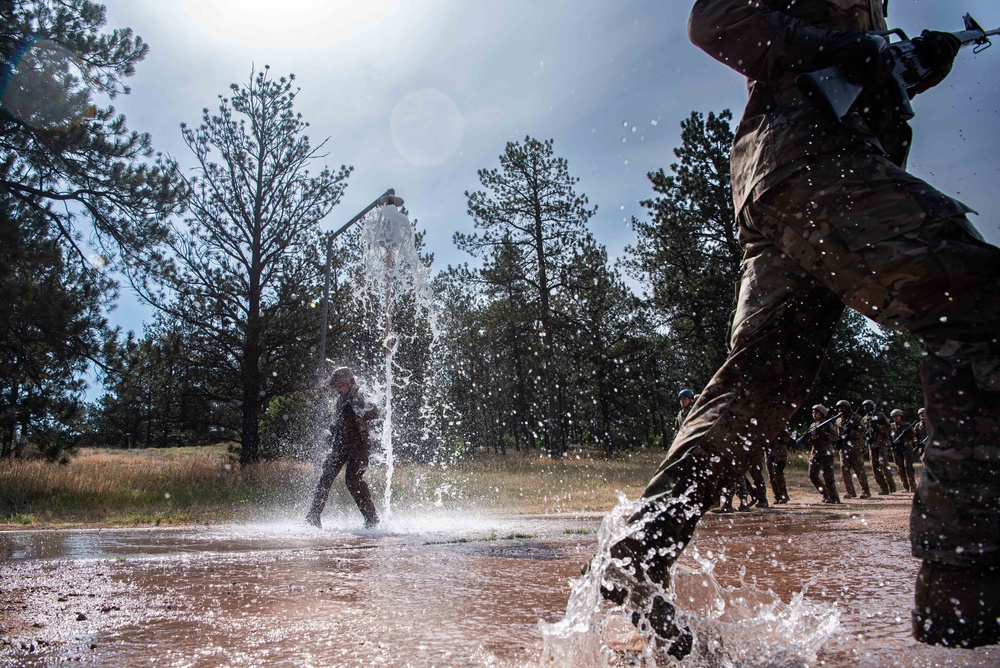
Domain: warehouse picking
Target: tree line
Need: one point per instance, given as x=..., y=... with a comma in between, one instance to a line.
x=541, y=341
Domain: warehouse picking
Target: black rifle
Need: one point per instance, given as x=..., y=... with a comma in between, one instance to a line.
x=903, y=432
x=813, y=430
x=834, y=91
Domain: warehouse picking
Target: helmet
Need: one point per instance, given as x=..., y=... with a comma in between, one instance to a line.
x=895, y=412
x=823, y=410
x=922, y=411
x=844, y=402
x=686, y=393
x=868, y=403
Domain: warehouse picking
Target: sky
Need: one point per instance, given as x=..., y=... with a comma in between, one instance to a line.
x=417, y=95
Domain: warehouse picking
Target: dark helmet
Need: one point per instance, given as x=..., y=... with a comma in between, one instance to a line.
x=686, y=393
x=868, y=405
x=844, y=403
x=823, y=410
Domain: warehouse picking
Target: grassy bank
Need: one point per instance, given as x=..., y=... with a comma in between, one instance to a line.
x=194, y=485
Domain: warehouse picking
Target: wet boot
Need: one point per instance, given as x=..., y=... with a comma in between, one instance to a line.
x=661, y=620
x=957, y=607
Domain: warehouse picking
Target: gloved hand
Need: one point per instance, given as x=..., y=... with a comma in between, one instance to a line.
x=937, y=50
x=861, y=54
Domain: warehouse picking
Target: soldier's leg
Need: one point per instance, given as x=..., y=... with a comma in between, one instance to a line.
x=358, y=487
x=847, y=472
x=830, y=494
x=783, y=324
x=883, y=456
x=857, y=459
x=759, y=488
x=907, y=466
x=331, y=467
x=816, y=473
x=779, y=467
x=906, y=256
x=877, y=472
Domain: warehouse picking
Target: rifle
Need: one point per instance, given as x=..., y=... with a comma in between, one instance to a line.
x=903, y=432
x=813, y=430
x=833, y=91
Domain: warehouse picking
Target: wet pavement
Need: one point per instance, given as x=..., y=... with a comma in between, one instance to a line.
x=442, y=590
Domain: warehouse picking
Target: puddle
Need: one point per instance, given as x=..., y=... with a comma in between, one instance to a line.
x=449, y=590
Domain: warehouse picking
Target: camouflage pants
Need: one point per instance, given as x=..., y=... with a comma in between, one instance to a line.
x=903, y=456
x=852, y=462
x=881, y=469
x=821, y=476
x=848, y=228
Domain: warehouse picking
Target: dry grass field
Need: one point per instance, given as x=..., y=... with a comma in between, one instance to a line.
x=196, y=485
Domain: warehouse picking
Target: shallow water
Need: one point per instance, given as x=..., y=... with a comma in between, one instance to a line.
x=448, y=590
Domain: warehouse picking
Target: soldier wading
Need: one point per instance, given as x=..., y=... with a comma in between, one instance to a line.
x=828, y=216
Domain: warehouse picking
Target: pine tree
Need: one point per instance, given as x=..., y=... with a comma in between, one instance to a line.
x=244, y=275
x=688, y=255
x=529, y=208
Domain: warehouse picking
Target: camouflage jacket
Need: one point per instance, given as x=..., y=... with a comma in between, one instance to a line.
x=778, y=448
x=902, y=435
x=681, y=414
x=852, y=433
x=877, y=429
x=770, y=42
x=823, y=439
x=920, y=435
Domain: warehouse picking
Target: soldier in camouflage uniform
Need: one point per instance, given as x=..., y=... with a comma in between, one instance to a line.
x=852, y=450
x=902, y=449
x=828, y=217
x=823, y=437
x=878, y=439
x=921, y=433
x=686, y=399
x=776, y=456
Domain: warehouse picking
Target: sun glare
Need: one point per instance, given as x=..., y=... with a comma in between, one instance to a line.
x=286, y=24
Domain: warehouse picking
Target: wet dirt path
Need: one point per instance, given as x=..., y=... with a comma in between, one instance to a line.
x=429, y=591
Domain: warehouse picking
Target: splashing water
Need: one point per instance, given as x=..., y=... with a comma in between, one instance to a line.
x=733, y=626
x=393, y=273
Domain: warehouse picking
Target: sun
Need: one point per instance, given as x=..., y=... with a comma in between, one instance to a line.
x=286, y=24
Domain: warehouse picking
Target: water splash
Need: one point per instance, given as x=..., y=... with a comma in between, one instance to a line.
x=737, y=627
x=394, y=275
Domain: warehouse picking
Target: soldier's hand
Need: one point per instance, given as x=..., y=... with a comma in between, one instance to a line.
x=937, y=51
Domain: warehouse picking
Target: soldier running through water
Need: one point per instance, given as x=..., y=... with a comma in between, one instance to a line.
x=350, y=444
x=828, y=217
x=902, y=449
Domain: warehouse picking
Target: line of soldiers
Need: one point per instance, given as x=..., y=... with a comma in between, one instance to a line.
x=884, y=438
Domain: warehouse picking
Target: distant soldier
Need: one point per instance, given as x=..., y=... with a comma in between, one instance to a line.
x=876, y=426
x=902, y=449
x=922, y=433
x=823, y=436
x=686, y=400
x=776, y=456
x=852, y=450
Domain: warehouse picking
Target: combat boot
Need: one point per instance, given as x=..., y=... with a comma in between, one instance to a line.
x=956, y=606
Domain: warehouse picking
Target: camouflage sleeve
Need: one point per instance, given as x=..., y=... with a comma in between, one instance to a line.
x=760, y=43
